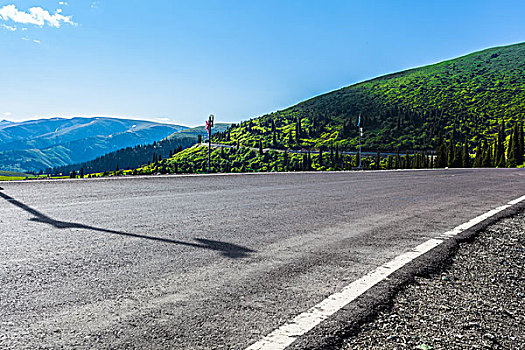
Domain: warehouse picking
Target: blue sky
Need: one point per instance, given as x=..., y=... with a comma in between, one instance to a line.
x=179, y=61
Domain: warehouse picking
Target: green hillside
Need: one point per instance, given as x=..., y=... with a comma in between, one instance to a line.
x=469, y=111
x=467, y=96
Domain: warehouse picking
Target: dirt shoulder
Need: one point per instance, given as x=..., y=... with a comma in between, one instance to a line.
x=476, y=302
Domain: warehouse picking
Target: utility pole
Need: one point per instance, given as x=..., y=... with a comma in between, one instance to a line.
x=209, y=125
x=360, y=135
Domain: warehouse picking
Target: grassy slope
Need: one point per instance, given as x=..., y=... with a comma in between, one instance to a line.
x=406, y=110
x=465, y=96
x=226, y=160
x=13, y=176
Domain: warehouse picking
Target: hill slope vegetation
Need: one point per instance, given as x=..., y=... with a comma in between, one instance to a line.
x=467, y=97
x=468, y=111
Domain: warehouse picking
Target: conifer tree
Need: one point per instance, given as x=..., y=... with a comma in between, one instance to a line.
x=521, y=150
x=487, y=152
x=261, y=147
x=458, y=160
x=499, y=155
x=451, y=151
x=516, y=146
x=81, y=173
x=378, y=160
x=285, y=160
x=398, y=160
x=441, y=153
x=304, y=164
x=511, y=155
x=320, y=157
x=479, y=157
x=465, y=156
x=298, y=130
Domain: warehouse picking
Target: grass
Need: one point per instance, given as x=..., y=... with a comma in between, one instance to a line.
x=466, y=96
x=28, y=177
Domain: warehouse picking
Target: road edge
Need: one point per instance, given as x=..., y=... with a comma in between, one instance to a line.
x=346, y=321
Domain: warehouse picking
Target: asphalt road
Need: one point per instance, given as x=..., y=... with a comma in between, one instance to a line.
x=210, y=261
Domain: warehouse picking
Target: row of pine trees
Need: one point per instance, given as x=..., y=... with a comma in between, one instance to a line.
x=505, y=150
x=495, y=153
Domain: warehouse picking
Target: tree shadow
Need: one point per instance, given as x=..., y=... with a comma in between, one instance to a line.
x=229, y=250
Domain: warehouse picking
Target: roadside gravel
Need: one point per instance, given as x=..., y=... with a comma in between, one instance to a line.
x=476, y=302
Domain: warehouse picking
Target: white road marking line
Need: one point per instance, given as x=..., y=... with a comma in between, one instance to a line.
x=457, y=230
x=285, y=335
x=516, y=201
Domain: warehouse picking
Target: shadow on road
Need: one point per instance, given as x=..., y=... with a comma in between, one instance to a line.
x=229, y=250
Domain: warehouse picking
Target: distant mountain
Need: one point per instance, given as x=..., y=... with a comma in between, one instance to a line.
x=199, y=130
x=129, y=157
x=45, y=143
x=134, y=157
x=5, y=123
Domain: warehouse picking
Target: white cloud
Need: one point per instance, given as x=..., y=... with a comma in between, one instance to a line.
x=36, y=41
x=63, y=3
x=36, y=15
x=9, y=27
x=25, y=38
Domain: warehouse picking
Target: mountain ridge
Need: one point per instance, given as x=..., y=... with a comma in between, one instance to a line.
x=132, y=157
x=38, y=144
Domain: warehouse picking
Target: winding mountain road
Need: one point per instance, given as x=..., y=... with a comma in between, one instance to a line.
x=207, y=262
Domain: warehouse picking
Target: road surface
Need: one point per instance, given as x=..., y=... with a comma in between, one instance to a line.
x=202, y=262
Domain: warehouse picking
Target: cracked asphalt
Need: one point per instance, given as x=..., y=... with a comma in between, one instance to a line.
x=207, y=262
